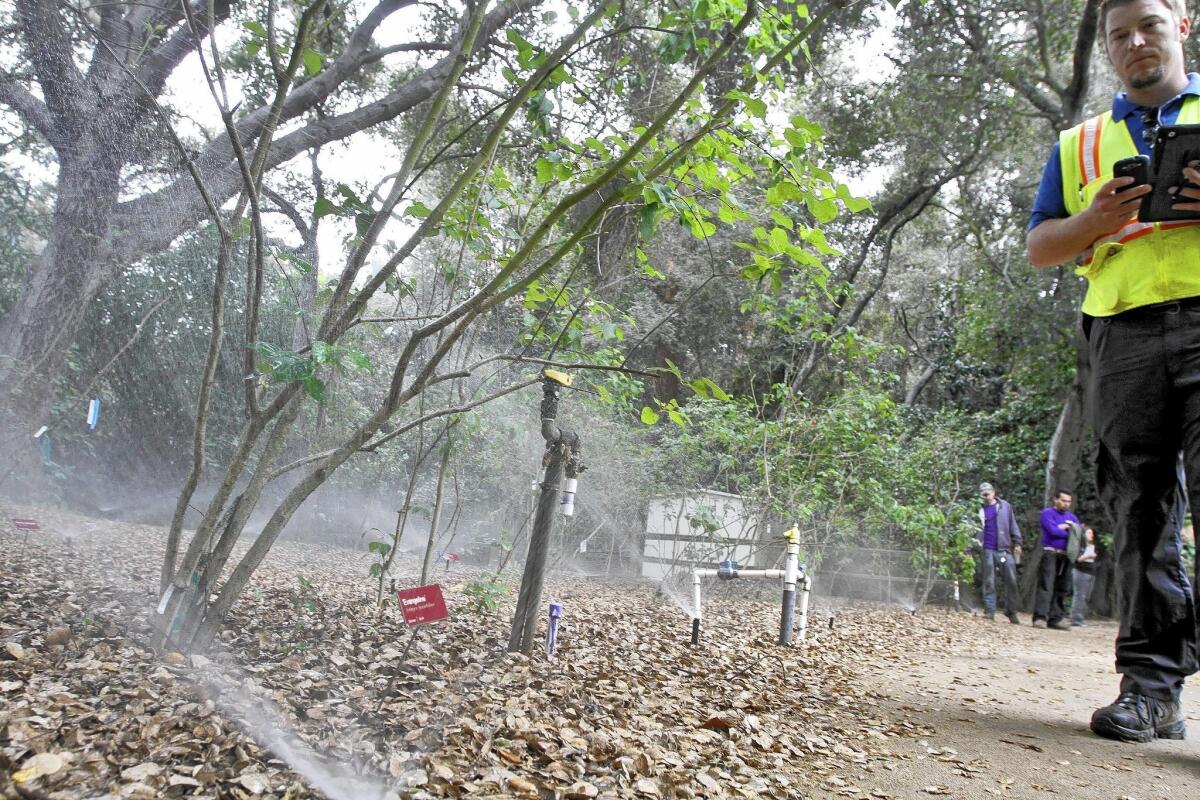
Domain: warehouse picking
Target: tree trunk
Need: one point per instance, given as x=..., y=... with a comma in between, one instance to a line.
x=37, y=333
x=529, y=597
x=435, y=520
x=1063, y=466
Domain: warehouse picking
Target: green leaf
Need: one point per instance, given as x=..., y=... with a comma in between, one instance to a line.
x=649, y=416
x=545, y=170
x=324, y=207
x=853, y=204
x=313, y=61
x=255, y=27
x=824, y=209
x=517, y=39
x=418, y=210
x=778, y=240
x=358, y=358
x=363, y=221
x=755, y=107
x=647, y=221
x=315, y=388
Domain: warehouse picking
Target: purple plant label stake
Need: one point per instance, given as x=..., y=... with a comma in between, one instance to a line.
x=556, y=611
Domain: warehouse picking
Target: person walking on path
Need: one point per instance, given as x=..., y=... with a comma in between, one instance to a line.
x=999, y=540
x=1141, y=315
x=1084, y=578
x=1054, y=572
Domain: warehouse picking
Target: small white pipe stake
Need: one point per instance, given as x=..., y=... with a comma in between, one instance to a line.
x=805, y=589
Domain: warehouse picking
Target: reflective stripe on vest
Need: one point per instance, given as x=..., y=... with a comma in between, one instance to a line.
x=1089, y=148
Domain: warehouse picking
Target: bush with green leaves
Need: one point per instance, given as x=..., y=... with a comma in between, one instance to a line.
x=485, y=594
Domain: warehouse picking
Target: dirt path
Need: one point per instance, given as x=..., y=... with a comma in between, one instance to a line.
x=1008, y=718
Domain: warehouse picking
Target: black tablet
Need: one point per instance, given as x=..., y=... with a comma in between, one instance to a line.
x=1175, y=146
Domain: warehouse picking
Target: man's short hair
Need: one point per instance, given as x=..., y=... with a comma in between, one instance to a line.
x=1178, y=9
x=1061, y=492
x=986, y=487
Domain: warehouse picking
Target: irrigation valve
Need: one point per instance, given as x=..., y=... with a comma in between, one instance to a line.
x=568, y=497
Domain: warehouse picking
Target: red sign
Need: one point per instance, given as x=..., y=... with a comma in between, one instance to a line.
x=422, y=604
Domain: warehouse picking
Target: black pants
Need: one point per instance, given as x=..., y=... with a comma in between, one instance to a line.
x=1146, y=407
x=1054, y=582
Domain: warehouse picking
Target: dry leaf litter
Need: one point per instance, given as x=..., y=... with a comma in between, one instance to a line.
x=309, y=691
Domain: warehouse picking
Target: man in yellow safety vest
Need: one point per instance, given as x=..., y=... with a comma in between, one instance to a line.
x=1142, y=318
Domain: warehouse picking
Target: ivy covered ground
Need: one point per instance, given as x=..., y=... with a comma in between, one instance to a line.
x=311, y=693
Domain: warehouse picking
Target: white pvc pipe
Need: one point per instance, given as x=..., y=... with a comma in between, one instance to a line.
x=802, y=611
x=800, y=576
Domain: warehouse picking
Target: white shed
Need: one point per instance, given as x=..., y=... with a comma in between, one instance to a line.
x=699, y=528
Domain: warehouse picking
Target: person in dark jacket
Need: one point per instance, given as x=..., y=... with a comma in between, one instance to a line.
x=999, y=540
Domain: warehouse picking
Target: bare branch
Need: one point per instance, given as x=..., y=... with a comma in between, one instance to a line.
x=176, y=201
x=407, y=47
x=32, y=110
x=408, y=426
x=288, y=209
x=168, y=55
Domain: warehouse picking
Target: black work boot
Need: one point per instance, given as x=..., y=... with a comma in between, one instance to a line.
x=1014, y=619
x=1137, y=718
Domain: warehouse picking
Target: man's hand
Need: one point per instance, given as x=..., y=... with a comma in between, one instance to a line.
x=1017, y=552
x=1066, y=526
x=1111, y=207
x=1187, y=197
x=1057, y=241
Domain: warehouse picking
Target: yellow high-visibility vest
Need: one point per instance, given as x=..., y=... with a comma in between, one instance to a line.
x=1139, y=263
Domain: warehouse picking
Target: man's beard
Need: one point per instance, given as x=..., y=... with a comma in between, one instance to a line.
x=1148, y=79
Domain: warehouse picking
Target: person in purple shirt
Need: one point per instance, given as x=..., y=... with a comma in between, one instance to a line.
x=999, y=543
x=1054, y=572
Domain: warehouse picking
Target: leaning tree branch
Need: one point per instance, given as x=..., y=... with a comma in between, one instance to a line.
x=162, y=60
x=32, y=110
x=176, y=202
x=1081, y=62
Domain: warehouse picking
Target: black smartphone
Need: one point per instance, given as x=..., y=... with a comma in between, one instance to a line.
x=1136, y=166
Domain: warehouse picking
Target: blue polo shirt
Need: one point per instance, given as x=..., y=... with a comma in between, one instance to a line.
x=1049, y=203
